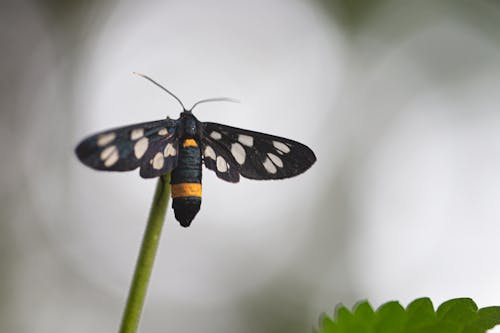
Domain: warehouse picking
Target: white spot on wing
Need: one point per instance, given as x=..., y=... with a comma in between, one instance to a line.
x=104, y=139
x=216, y=135
x=137, y=133
x=246, y=140
x=169, y=150
x=276, y=160
x=238, y=152
x=281, y=147
x=112, y=159
x=158, y=161
x=270, y=167
x=106, y=152
x=221, y=164
x=140, y=147
x=109, y=156
x=209, y=152
x=163, y=132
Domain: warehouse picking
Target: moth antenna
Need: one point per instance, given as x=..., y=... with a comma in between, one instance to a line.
x=162, y=87
x=215, y=99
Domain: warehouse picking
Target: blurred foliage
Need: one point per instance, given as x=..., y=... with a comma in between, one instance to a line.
x=68, y=16
x=60, y=9
x=453, y=316
x=350, y=13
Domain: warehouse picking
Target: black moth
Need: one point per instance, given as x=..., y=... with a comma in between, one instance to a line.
x=181, y=146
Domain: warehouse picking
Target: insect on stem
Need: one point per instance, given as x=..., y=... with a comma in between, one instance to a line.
x=175, y=150
x=214, y=99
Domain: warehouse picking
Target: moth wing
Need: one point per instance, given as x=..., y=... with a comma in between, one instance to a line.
x=160, y=158
x=125, y=148
x=217, y=158
x=254, y=155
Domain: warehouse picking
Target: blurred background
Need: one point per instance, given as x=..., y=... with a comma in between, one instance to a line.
x=398, y=99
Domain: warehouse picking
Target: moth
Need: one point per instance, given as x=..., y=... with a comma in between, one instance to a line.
x=182, y=145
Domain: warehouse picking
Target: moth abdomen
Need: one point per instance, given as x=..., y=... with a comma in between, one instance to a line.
x=186, y=183
x=185, y=209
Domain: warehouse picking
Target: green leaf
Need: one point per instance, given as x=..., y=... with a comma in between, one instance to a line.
x=459, y=315
x=363, y=311
x=327, y=325
x=487, y=318
x=343, y=315
x=420, y=313
x=345, y=320
x=391, y=318
x=459, y=310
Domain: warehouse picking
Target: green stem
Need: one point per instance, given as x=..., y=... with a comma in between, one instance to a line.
x=144, y=265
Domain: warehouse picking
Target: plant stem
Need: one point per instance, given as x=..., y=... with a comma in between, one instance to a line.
x=144, y=265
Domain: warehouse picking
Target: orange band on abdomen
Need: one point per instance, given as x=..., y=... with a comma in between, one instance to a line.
x=189, y=143
x=186, y=190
